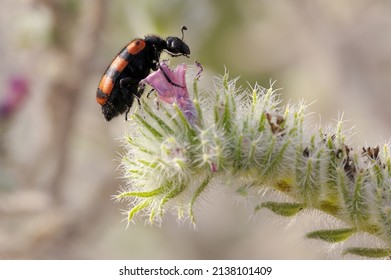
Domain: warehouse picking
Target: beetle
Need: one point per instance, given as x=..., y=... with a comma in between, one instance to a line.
x=120, y=82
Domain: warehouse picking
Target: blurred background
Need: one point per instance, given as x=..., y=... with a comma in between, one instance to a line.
x=59, y=158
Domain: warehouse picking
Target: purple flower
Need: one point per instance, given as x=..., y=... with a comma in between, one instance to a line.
x=16, y=92
x=171, y=88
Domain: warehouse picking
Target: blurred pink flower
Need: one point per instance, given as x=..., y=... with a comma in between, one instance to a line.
x=16, y=92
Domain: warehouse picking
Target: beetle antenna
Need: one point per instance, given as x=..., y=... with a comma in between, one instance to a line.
x=183, y=33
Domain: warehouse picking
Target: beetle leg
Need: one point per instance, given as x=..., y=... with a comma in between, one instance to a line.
x=128, y=86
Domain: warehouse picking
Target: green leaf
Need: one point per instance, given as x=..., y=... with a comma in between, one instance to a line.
x=142, y=194
x=285, y=209
x=197, y=193
x=175, y=192
x=368, y=252
x=149, y=127
x=332, y=236
x=138, y=208
x=160, y=121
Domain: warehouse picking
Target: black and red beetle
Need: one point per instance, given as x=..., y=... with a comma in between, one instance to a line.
x=120, y=82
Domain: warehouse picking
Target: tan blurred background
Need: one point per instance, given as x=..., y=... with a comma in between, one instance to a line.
x=58, y=157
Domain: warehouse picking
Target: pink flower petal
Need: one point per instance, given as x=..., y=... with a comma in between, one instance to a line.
x=171, y=88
